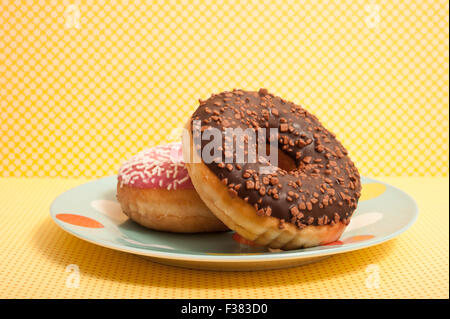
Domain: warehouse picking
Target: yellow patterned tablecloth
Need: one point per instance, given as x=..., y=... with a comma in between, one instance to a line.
x=35, y=253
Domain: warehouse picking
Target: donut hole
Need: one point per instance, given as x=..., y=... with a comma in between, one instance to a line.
x=285, y=162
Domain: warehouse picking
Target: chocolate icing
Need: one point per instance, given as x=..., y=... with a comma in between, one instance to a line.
x=325, y=186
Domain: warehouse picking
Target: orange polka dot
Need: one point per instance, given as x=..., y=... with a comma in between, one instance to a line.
x=358, y=238
x=334, y=243
x=242, y=240
x=79, y=220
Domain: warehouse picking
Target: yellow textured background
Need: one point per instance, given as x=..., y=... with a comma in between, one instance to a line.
x=86, y=84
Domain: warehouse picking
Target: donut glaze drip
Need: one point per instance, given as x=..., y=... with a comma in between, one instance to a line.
x=158, y=167
x=323, y=188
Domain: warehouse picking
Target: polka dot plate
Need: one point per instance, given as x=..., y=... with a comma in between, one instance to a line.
x=92, y=213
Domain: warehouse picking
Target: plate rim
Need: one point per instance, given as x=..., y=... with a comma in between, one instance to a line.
x=241, y=257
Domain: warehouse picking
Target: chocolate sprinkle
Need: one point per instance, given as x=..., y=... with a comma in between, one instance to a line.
x=325, y=186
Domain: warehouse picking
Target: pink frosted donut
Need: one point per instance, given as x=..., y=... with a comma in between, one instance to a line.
x=154, y=190
x=158, y=167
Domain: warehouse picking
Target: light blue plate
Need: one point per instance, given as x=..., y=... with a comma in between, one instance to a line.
x=91, y=212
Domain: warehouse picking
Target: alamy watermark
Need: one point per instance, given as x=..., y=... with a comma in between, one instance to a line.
x=372, y=18
x=373, y=276
x=72, y=16
x=73, y=279
x=233, y=145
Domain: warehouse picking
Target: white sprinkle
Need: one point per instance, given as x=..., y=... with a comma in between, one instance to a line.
x=184, y=179
x=149, y=164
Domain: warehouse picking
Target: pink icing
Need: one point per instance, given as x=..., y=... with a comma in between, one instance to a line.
x=158, y=167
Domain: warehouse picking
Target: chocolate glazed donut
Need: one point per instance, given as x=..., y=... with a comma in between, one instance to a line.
x=306, y=201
